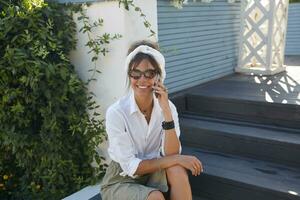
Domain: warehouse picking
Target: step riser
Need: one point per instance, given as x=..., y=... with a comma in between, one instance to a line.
x=216, y=188
x=256, y=112
x=257, y=148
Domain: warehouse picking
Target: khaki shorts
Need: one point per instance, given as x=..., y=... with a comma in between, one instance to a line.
x=116, y=187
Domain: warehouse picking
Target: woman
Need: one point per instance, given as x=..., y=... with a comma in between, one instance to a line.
x=143, y=134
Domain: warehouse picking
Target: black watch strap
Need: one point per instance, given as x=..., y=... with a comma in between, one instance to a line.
x=168, y=125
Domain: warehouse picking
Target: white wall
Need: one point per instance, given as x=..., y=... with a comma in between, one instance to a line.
x=110, y=83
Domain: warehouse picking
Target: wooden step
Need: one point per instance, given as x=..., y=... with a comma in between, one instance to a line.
x=231, y=177
x=269, y=100
x=248, y=140
x=276, y=114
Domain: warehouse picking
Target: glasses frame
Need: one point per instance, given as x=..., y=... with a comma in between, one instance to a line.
x=142, y=73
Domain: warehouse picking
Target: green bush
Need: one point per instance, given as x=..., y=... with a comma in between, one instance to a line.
x=294, y=1
x=47, y=139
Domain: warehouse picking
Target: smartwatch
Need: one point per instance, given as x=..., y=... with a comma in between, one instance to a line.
x=168, y=125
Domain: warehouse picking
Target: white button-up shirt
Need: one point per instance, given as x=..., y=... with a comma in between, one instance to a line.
x=131, y=139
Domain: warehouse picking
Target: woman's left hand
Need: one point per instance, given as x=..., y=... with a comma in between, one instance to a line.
x=161, y=92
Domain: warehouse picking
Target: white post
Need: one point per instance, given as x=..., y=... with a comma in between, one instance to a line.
x=270, y=33
x=262, y=36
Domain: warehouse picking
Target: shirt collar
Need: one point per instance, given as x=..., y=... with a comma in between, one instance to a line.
x=156, y=106
x=133, y=107
x=132, y=104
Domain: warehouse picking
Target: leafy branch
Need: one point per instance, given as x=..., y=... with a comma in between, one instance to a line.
x=129, y=3
x=96, y=44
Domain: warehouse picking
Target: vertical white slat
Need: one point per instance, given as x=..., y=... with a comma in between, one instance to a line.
x=271, y=15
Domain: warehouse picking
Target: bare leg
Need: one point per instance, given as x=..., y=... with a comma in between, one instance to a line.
x=178, y=180
x=156, y=195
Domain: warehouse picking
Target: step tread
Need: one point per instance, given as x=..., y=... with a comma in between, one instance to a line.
x=243, y=129
x=280, y=87
x=222, y=92
x=199, y=198
x=278, y=114
x=248, y=171
x=241, y=99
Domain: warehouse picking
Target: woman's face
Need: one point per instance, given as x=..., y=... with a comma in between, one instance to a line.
x=143, y=86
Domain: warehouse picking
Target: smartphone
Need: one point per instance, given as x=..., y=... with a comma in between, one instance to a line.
x=157, y=79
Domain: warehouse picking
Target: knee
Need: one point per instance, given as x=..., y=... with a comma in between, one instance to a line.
x=177, y=174
x=156, y=195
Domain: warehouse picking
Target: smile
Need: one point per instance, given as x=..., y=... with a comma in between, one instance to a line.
x=142, y=86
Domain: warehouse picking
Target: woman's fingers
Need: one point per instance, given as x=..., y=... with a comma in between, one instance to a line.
x=201, y=165
x=194, y=171
x=197, y=165
x=196, y=168
x=161, y=92
x=193, y=164
x=160, y=86
x=159, y=89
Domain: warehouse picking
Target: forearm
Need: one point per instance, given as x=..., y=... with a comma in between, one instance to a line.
x=152, y=165
x=171, y=143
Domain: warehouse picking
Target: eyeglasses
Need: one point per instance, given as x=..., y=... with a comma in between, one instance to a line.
x=137, y=74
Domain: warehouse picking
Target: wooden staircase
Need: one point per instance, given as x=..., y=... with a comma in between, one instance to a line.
x=250, y=148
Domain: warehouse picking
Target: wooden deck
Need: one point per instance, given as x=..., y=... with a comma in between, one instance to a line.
x=280, y=88
x=242, y=128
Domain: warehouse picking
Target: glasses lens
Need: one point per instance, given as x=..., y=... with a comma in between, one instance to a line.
x=150, y=73
x=136, y=74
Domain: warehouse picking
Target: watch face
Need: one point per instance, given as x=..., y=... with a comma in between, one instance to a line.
x=168, y=125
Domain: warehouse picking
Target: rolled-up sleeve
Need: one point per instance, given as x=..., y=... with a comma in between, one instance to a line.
x=177, y=128
x=121, y=148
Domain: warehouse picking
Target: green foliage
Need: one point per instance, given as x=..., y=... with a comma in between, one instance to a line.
x=47, y=138
x=177, y=3
x=96, y=43
x=129, y=3
x=294, y=1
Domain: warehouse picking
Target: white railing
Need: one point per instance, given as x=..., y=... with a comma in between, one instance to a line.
x=262, y=36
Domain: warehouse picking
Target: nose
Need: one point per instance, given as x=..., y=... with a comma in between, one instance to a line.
x=143, y=77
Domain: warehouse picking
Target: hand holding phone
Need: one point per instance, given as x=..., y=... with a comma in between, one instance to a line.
x=161, y=93
x=157, y=79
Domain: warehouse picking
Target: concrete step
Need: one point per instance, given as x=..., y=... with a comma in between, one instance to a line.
x=91, y=192
x=229, y=177
x=248, y=140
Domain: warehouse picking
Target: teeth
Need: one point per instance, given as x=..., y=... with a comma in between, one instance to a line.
x=143, y=87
